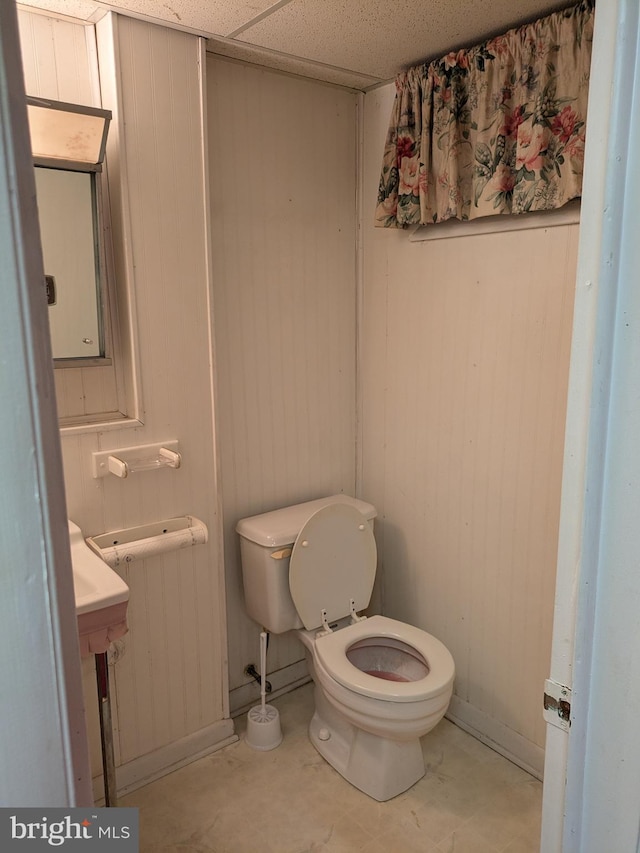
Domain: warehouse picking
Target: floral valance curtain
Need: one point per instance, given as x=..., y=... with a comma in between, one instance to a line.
x=495, y=129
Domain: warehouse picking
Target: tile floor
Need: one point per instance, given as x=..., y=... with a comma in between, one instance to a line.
x=289, y=800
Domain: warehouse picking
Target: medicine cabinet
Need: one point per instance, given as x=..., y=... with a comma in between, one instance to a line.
x=68, y=144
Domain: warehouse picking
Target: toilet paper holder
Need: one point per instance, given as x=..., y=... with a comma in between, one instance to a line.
x=143, y=457
x=121, y=547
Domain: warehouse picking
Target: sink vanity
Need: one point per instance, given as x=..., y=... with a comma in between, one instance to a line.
x=101, y=597
x=101, y=594
x=101, y=608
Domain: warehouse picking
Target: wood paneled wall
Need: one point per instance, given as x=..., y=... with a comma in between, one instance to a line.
x=463, y=368
x=59, y=59
x=170, y=679
x=283, y=169
x=465, y=353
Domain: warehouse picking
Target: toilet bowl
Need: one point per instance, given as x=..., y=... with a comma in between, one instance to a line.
x=405, y=698
x=368, y=722
x=380, y=684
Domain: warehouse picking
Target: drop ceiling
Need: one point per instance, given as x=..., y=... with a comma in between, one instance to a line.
x=355, y=43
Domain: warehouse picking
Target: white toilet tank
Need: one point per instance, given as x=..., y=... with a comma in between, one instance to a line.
x=265, y=547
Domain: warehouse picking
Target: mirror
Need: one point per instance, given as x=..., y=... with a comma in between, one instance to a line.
x=68, y=228
x=68, y=144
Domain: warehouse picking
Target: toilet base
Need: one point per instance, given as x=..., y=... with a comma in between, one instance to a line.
x=377, y=766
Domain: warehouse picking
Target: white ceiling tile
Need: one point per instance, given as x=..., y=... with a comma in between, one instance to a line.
x=217, y=17
x=81, y=9
x=352, y=42
x=378, y=37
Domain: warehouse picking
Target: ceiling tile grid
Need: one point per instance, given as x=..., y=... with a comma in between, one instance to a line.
x=378, y=38
x=245, y=52
x=83, y=10
x=216, y=17
x=355, y=43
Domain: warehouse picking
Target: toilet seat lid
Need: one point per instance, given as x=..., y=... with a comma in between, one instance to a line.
x=333, y=561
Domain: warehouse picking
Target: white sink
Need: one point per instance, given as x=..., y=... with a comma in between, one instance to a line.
x=101, y=596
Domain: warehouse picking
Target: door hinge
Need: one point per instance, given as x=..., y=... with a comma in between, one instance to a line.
x=557, y=704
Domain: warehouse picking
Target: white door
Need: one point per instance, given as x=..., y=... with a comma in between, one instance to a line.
x=592, y=772
x=43, y=746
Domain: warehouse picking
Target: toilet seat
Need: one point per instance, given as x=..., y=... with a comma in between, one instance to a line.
x=330, y=651
x=333, y=565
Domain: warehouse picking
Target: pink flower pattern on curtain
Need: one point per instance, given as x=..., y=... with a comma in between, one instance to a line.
x=498, y=128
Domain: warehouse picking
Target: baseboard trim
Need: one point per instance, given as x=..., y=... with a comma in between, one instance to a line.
x=499, y=737
x=282, y=681
x=147, y=768
x=140, y=771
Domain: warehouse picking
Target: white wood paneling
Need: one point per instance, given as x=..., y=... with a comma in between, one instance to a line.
x=465, y=360
x=170, y=678
x=463, y=381
x=282, y=165
x=59, y=59
x=174, y=681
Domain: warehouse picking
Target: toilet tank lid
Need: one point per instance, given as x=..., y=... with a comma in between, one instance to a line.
x=280, y=527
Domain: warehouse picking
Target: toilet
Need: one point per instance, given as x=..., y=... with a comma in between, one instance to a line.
x=380, y=684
